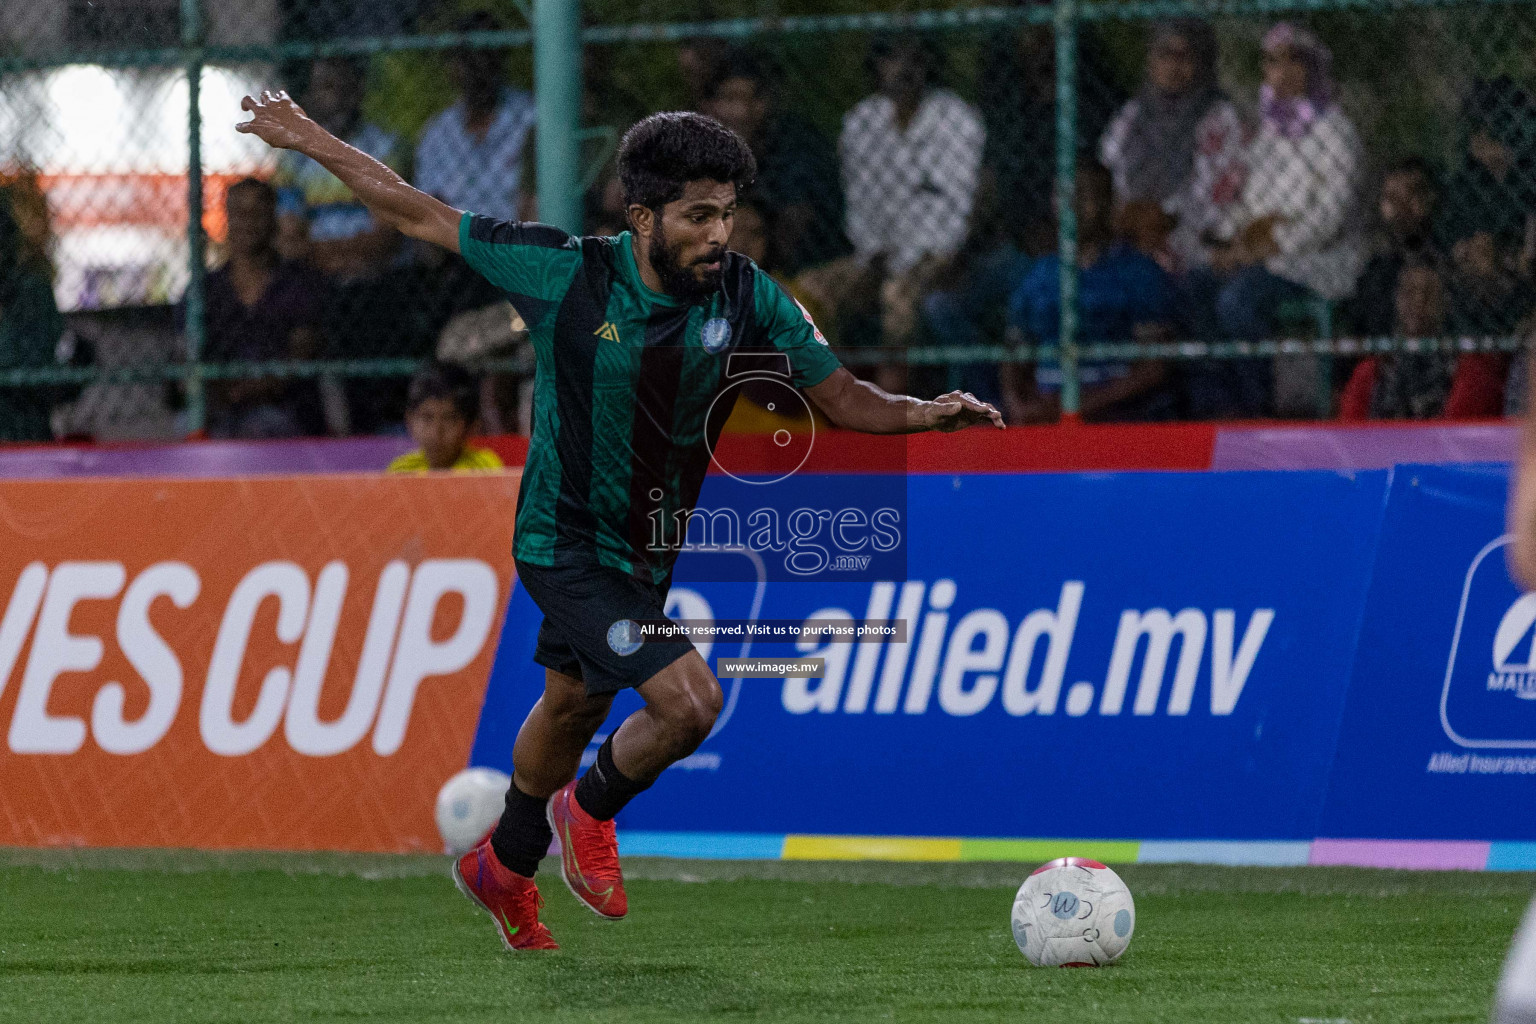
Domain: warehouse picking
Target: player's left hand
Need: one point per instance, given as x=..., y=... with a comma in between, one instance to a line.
x=958, y=410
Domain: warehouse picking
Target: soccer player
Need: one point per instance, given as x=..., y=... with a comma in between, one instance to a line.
x=631, y=336
x=1517, y=992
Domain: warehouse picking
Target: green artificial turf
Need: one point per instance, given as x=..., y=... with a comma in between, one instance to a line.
x=123, y=936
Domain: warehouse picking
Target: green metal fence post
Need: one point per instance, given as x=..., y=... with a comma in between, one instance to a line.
x=197, y=269
x=557, y=88
x=1066, y=190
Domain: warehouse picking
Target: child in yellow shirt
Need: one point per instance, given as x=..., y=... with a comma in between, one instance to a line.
x=441, y=409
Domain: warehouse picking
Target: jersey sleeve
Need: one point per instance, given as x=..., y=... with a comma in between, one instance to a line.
x=789, y=329
x=530, y=262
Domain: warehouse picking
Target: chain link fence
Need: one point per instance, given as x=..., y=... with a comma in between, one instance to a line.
x=1281, y=209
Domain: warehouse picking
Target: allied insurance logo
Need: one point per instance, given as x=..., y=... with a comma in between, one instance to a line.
x=1514, y=651
x=1489, y=697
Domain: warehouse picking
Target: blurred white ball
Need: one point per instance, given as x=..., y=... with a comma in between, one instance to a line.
x=469, y=805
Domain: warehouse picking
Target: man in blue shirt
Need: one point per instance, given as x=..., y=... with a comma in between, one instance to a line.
x=471, y=155
x=320, y=220
x=1123, y=296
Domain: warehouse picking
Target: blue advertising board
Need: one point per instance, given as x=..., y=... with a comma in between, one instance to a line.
x=1439, y=734
x=1123, y=656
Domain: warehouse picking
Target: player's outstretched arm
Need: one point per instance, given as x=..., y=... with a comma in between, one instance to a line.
x=859, y=405
x=282, y=123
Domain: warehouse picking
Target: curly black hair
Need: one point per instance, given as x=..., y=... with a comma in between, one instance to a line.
x=448, y=381
x=661, y=154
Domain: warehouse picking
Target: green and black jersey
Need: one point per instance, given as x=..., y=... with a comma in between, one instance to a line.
x=626, y=377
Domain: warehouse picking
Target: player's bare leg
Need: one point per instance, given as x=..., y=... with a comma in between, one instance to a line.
x=498, y=874
x=681, y=704
x=550, y=743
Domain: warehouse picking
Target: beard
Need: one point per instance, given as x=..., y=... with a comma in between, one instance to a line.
x=679, y=280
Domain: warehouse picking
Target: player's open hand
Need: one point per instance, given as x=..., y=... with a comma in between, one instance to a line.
x=279, y=122
x=958, y=410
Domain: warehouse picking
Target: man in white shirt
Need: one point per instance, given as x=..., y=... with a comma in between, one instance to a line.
x=471, y=155
x=911, y=159
x=911, y=156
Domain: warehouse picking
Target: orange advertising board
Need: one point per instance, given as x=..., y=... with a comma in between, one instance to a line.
x=277, y=663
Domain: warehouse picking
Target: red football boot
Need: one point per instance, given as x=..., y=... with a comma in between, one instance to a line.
x=589, y=855
x=512, y=900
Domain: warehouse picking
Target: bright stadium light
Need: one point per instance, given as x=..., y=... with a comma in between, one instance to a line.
x=114, y=169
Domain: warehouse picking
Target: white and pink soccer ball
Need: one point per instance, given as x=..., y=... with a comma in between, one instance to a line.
x=1073, y=912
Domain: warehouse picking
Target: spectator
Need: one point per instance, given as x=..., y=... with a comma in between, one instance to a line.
x=332, y=20
x=971, y=310
x=700, y=60
x=1489, y=296
x=1409, y=195
x=320, y=222
x=1176, y=148
x=1491, y=211
x=1122, y=296
x=1296, y=232
x=910, y=158
x=30, y=326
x=442, y=408
x=1430, y=385
x=319, y=219
x=29, y=206
x=797, y=172
x=910, y=154
x=471, y=155
x=1012, y=221
x=258, y=307
x=760, y=410
x=605, y=214
x=1517, y=385
x=1494, y=191
x=751, y=236
x=1300, y=235
x=1018, y=107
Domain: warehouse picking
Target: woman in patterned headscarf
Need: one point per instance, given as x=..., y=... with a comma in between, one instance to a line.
x=1297, y=225
x=1177, y=146
x=1300, y=230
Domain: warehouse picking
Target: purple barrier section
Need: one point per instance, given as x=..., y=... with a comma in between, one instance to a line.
x=1367, y=446
x=206, y=458
x=1414, y=855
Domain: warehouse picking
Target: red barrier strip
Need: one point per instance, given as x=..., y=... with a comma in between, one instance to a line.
x=1055, y=449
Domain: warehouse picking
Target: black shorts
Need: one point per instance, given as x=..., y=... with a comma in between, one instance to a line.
x=588, y=631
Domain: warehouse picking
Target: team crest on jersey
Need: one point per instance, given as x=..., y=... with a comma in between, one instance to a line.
x=814, y=329
x=715, y=335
